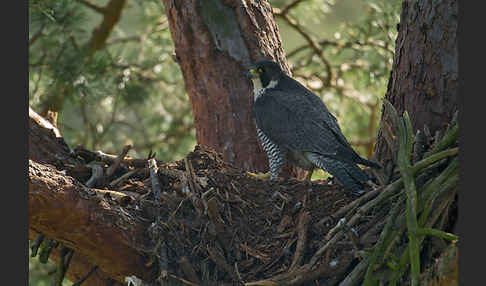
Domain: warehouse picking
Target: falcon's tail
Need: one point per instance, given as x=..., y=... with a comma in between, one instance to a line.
x=348, y=174
x=368, y=163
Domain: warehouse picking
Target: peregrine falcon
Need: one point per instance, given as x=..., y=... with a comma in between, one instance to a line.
x=295, y=126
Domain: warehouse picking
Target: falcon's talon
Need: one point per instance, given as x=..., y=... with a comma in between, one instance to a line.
x=260, y=176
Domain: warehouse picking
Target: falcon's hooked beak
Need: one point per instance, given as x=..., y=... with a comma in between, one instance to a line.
x=252, y=73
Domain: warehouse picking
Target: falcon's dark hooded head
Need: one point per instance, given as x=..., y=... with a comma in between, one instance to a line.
x=266, y=72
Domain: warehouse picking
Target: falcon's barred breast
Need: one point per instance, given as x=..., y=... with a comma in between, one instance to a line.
x=295, y=125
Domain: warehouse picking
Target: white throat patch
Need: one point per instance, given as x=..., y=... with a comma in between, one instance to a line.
x=258, y=89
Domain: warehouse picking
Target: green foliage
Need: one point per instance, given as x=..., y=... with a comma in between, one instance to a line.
x=41, y=274
x=131, y=92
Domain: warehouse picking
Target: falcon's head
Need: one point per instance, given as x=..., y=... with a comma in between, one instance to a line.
x=265, y=74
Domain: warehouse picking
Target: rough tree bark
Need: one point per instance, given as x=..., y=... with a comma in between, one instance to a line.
x=98, y=232
x=215, y=41
x=424, y=79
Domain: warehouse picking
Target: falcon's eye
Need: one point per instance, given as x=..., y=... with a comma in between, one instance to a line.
x=260, y=70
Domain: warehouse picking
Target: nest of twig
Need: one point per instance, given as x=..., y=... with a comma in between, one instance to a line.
x=214, y=225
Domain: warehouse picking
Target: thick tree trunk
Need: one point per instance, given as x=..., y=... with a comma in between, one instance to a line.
x=85, y=220
x=215, y=41
x=424, y=80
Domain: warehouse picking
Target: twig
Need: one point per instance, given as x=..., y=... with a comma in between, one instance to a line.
x=153, y=169
x=194, y=195
x=347, y=208
x=444, y=183
x=353, y=237
x=122, y=178
x=287, y=7
x=117, y=161
x=163, y=263
x=101, y=33
x=437, y=232
x=46, y=249
x=80, y=281
x=64, y=259
x=440, y=184
x=101, y=10
x=380, y=245
x=404, y=165
x=36, y=244
x=188, y=270
x=124, y=40
x=184, y=281
x=190, y=176
x=96, y=176
x=418, y=146
x=163, y=258
x=37, y=35
x=110, y=158
x=434, y=158
x=404, y=259
x=446, y=141
x=328, y=242
x=218, y=258
x=387, y=192
x=319, y=52
x=355, y=276
x=302, y=227
x=219, y=226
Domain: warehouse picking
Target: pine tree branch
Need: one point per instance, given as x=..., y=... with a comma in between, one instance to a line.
x=99, y=9
x=404, y=155
x=111, y=15
x=288, y=7
x=37, y=35
x=312, y=43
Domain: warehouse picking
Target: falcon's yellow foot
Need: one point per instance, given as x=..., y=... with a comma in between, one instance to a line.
x=261, y=176
x=308, y=177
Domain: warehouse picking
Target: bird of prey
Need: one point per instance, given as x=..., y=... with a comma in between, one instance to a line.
x=295, y=126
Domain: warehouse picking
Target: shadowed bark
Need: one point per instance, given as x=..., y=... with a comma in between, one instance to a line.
x=424, y=79
x=93, y=227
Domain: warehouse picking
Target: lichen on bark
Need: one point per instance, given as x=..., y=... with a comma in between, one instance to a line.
x=224, y=29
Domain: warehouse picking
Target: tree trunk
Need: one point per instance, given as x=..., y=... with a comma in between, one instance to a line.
x=215, y=41
x=85, y=220
x=424, y=79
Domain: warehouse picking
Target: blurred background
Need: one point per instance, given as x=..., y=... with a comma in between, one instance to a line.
x=131, y=91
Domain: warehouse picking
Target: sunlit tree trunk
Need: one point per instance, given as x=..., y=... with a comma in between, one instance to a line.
x=424, y=79
x=215, y=41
